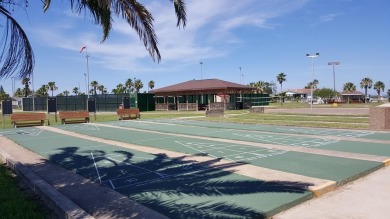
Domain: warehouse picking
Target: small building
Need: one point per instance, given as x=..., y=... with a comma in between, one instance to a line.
x=201, y=95
x=352, y=97
x=299, y=93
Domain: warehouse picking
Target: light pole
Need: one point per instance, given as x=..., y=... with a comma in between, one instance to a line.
x=334, y=74
x=86, y=84
x=13, y=85
x=33, y=95
x=312, y=79
x=201, y=70
x=87, y=57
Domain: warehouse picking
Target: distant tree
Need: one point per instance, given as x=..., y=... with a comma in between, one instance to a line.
x=150, y=85
x=120, y=89
x=26, y=89
x=18, y=93
x=379, y=86
x=66, y=93
x=3, y=94
x=281, y=77
x=94, y=85
x=75, y=91
x=101, y=88
x=366, y=83
x=129, y=85
x=349, y=87
x=313, y=84
x=325, y=93
x=138, y=85
x=42, y=91
x=52, y=87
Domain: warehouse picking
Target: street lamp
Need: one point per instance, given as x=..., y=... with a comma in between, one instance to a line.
x=86, y=84
x=87, y=57
x=334, y=75
x=312, y=79
x=201, y=70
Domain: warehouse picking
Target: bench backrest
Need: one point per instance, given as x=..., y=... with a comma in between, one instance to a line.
x=127, y=111
x=73, y=114
x=28, y=117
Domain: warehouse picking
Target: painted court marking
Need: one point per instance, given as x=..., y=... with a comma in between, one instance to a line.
x=31, y=132
x=287, y=140
x=232, y=152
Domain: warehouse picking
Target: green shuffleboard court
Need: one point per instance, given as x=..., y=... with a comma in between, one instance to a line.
x=365, y=134
x=197, y=184
x=378, y=149
x=337, y=169
x=177, y=188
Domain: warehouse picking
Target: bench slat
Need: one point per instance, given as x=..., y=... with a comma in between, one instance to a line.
x=74, y=116
x=28, y=119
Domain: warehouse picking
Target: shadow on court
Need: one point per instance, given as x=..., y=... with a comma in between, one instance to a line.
x=182, y=188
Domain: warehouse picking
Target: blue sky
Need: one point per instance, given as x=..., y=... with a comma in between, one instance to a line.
x=263, y=37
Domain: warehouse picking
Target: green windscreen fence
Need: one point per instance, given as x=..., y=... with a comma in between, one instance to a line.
x=104, y=102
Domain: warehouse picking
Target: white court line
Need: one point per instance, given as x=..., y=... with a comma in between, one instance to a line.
x=97, y=127
x=112, y=185
x=39, y=132
x=97, y=171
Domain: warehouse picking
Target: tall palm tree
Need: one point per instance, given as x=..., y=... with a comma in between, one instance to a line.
x=138, y=85
x=52, y=87
x=129, y=85
x=366, y=83
x=313, y=84
x=349, y=87
x=75, y=91
x=94, y=85
x=19, y=57
x=26, y=83
x=379, y=86
x=66, y=93
x=281, y=77
x=101, y=88
x=150, y=85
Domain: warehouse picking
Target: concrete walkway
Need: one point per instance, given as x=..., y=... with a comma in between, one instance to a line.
x=368, y=197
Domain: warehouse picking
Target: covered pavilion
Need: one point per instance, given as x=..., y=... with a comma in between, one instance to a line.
x=201, y=95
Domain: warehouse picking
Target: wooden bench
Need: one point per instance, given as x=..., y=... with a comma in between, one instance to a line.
x=74, y=116
x=28, y=119
x=128, y=113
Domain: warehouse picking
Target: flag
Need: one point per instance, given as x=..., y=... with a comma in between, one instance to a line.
x=82, y=48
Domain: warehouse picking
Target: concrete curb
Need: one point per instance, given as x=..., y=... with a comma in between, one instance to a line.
x=56, y=201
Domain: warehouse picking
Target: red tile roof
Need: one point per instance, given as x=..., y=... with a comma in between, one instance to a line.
x=202, y=85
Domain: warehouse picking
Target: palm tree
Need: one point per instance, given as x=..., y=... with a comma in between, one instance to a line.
x=366, y=83
x=52, y=87
x=94, y=85
x=75, y=91
x=120, y=89
x=42, y=91
x=66, y=93
x=138, y=85
x=26, y=89
x=349, y=87
x=17, y=57
x=281, y=77
x=150, y=85
x=101, y=88
x=378, y=86
x=312, y=84
x=129, y=85
x=18, y=54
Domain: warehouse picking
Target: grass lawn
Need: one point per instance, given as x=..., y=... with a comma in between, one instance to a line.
x=14, y=202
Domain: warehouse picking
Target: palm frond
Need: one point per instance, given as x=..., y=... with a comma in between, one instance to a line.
x=16, y=57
